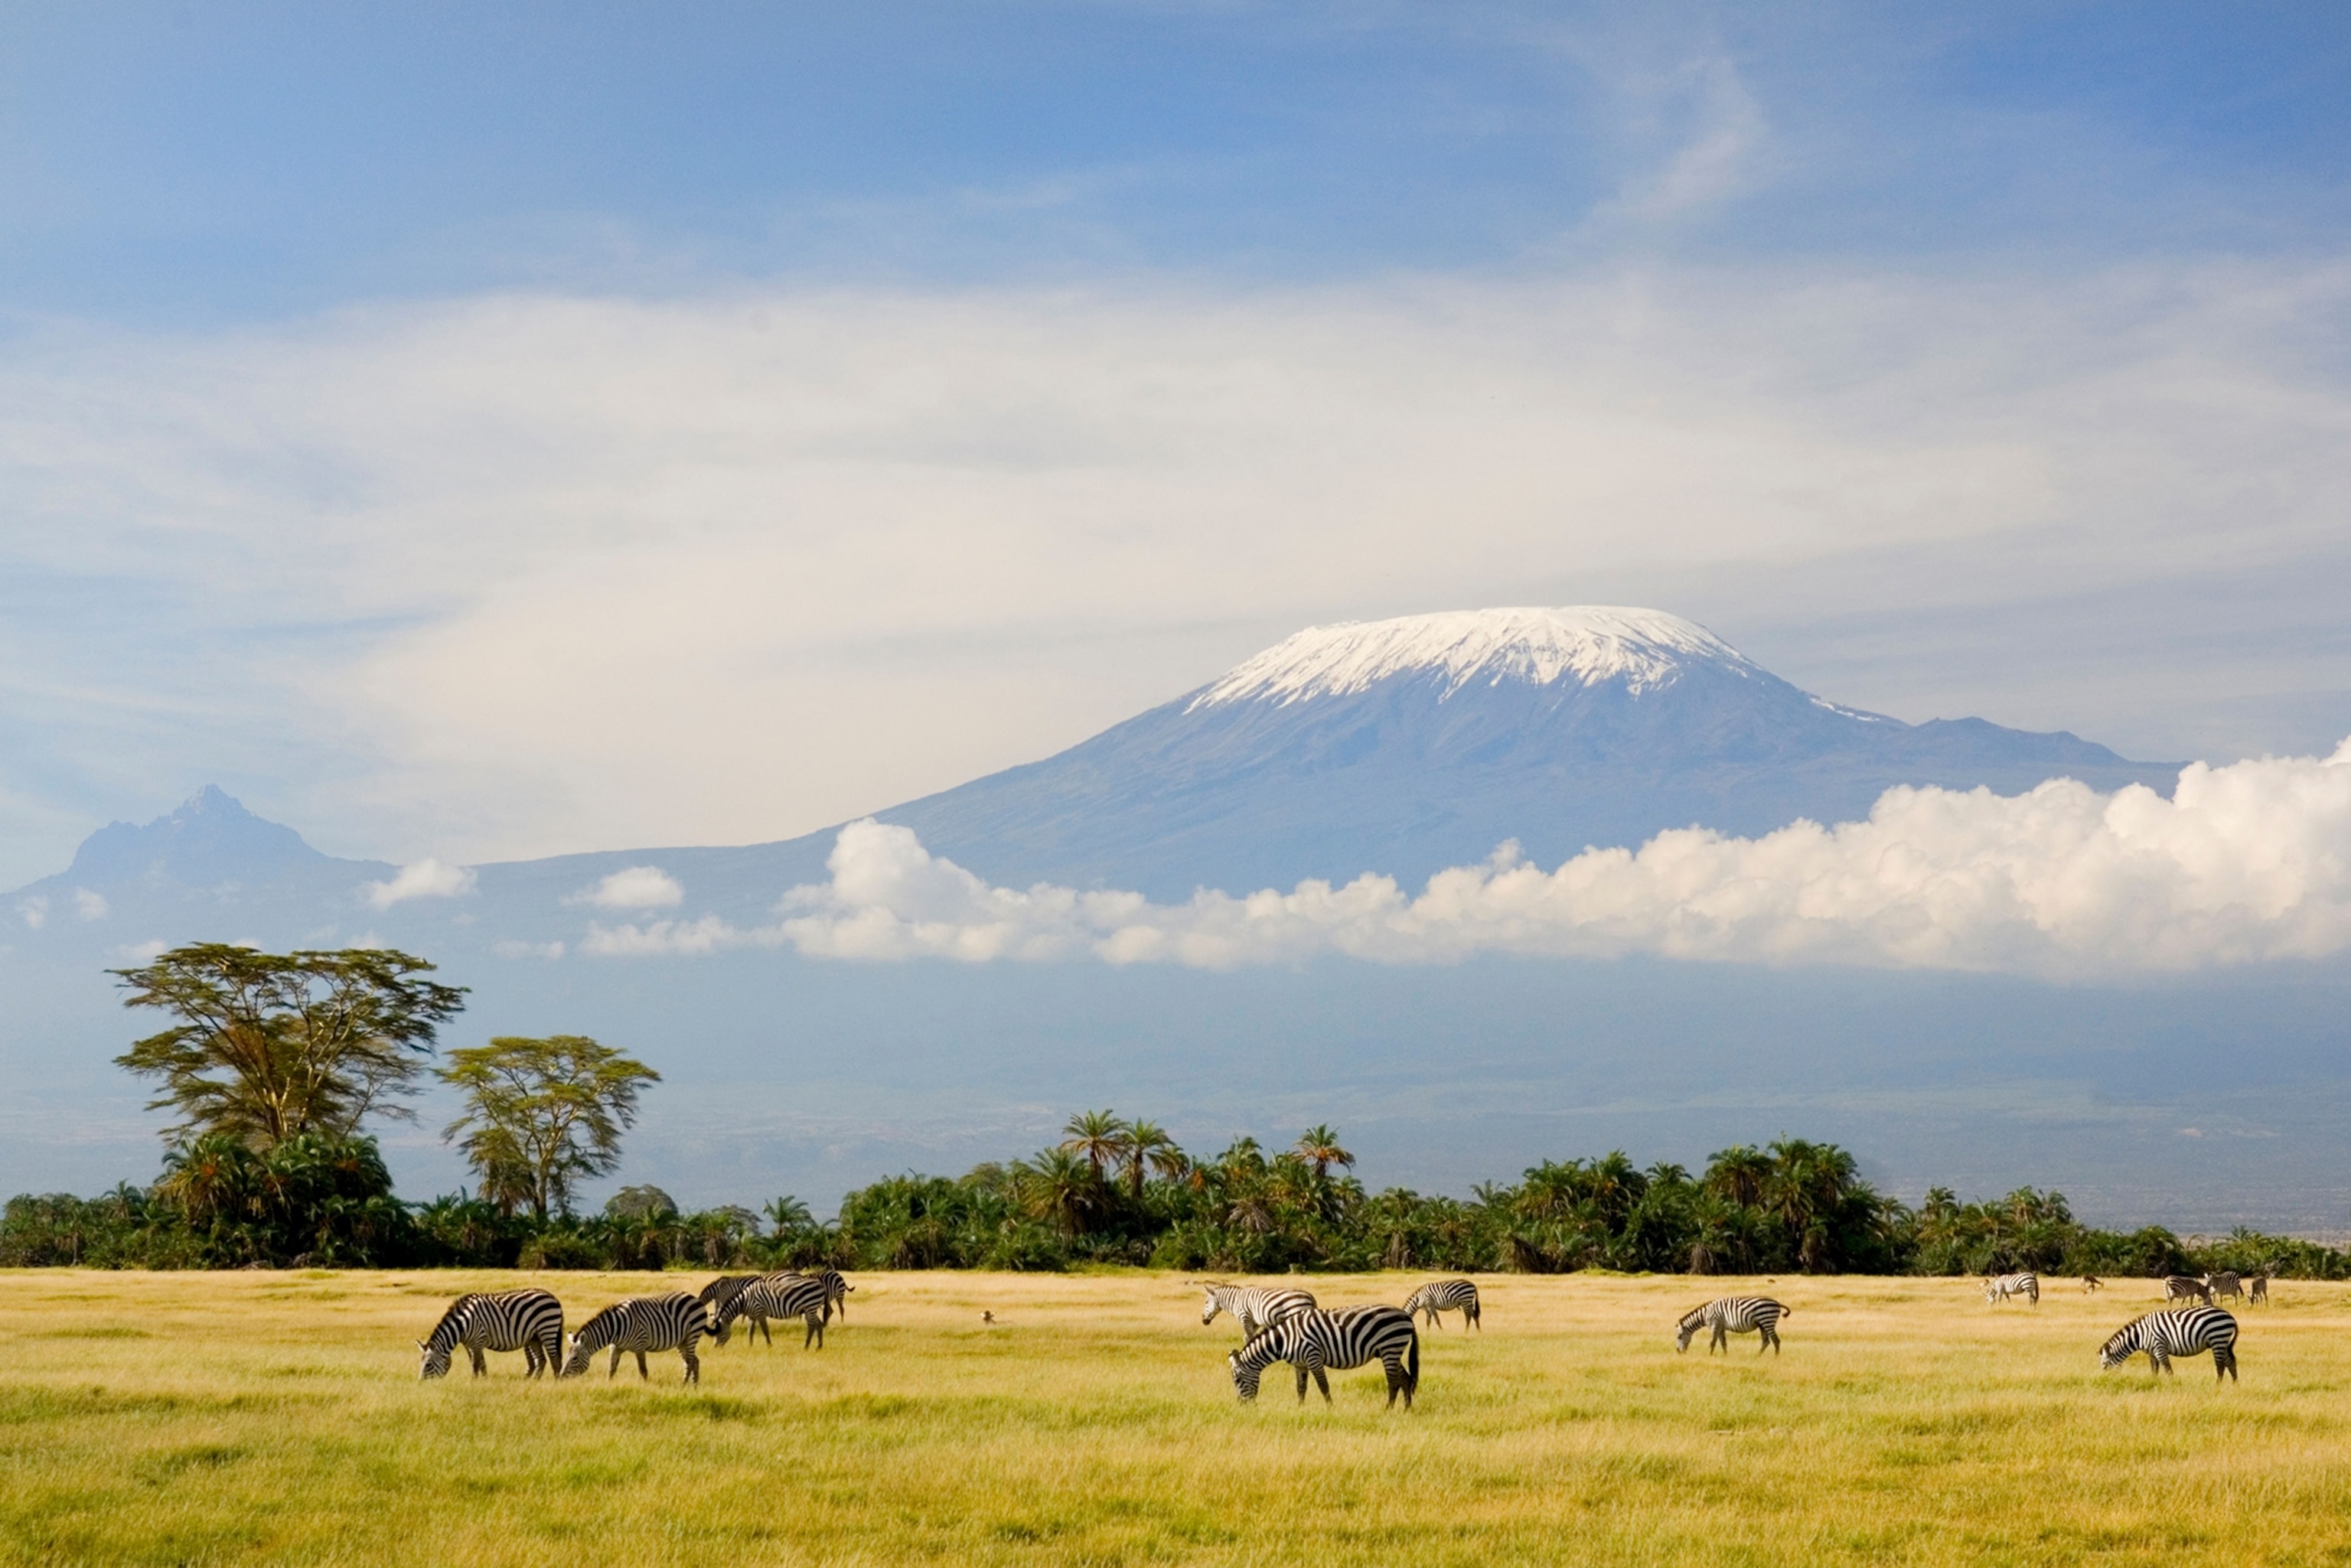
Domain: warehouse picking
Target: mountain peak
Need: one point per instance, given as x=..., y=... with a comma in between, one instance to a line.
x=210, y=839
x=1589, y=643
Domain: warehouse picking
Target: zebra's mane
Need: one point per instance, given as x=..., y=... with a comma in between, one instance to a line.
x=1694, y=1316
x=456, y=1311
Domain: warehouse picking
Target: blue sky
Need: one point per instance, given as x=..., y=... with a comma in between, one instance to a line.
x=487, y=431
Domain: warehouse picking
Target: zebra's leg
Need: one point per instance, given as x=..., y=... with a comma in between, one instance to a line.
x=615, y=1370
x=1323, y=1382
x=1300, y=1368
x=529, y=1359
x=815, y=1334
x=481, y=1363
x=1471, y=1311
x=2159, y=1361
x=2224, y=1361
x=693, y=1363
x=1773, y=1334
x=1393, y=1364
x=642, y=1374
x=765, y=1333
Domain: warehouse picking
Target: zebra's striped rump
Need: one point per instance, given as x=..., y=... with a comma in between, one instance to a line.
x=2027, y=1284
x=640, y=1324
x=1445, y=1296
x=778, y=1296
x=1255, y=1307
x=527, y=1320
x=1731, y=1315
x=2181, y=1330
x=1345, y=1339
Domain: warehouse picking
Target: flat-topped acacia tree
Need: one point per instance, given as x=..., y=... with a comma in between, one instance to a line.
x=271, y=1046
x=542, y=1114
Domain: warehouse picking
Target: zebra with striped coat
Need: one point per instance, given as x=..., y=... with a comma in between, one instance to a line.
x=641, y=1323
x=2259, y=1293
x=1731, y=1315
x=2183, y=1331
x=1255, y=1307
x=2224, y=1285
x=2000, y=1289
x=1351, y=1337
x=716, y=1296
x=2181, y=1287
x=529, y=1321
x=777, y=1296
x=1445, y=1296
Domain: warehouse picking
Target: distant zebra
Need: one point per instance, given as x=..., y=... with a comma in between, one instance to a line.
x=1256, y=1308
x=674, y=1322
x=777, y=1296
x=1348, y=1338
x=529, y=1321
x=2181, y=1287
x=2223, y=1286
x=2186, y=1330
x=2027, y=1284
x=1445, y=1296
x=836, y=1290
x=2259, y=1292
x=1733, y=1315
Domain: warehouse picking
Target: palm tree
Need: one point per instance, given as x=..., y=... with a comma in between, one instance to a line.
x=1319, y=1146
x=1099, y=1137
x=1740, y=1174
x=1061, y=1187
x=1150, y=1149
x=788, y=1215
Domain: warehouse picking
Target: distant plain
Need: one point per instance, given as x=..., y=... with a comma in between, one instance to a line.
x=277, y=1416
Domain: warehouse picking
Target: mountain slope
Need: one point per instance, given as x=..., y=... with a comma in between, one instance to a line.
x=1410, y=745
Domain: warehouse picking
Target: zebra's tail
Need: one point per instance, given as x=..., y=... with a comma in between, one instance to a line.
x=1412, y=1366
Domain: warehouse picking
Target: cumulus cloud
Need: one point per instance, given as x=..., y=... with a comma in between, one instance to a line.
x=638, y=887
x=34, y=911
x=89, y=905
x=427, y=878
x=2244, y=864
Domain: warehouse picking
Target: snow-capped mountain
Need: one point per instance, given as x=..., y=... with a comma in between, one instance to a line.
x=1410, y=745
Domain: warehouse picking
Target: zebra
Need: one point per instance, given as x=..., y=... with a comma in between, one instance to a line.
x=1255, y=1308
x=2027, y=1284
x=2259, y=1291
x=1445, y=1296
x=529, y=1321
x=2224, y=1285
x=716, y=1296
x=836, y=1292
x=2180, y=1287
x=1733, y=1315
x=1348, y=1338
x=674, y=1322
x=2185, y=1331
x=777, y=1296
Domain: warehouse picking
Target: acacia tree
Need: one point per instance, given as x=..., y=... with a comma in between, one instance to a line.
x=272, y=1046
x=542, y=1114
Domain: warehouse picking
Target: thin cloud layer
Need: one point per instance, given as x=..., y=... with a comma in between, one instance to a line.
x=2246, y=863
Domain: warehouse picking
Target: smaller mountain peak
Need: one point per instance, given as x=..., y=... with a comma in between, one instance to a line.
x=209, y=839
x=1587, y=643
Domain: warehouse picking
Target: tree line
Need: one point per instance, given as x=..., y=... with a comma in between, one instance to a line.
x=275, y=1062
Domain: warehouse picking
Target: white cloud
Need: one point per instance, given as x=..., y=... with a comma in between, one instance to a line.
x=34, y=911
x=920, y=535
x=663, y=937
x=89, y=905
x=638, y=887
x=427, y=878
x=548, y=950
x=2246, y=863
x=154, y=947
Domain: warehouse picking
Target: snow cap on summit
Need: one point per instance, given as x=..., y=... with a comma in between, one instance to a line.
x=1591, y=643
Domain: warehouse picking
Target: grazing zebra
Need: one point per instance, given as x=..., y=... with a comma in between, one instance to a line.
x=2027, y=1284
x=1445, y=1296
x=2186, y=1330
x=2180, y=1287
x=529, y=1321
x=674, y=1321
x=2260, y=1291
x=1348, y=1338
x=1256, y=1308
x=777, y=1296
x=1733, y=1315
x=2224, y=1285
x=716, y=1295
x=2092, y=1282
x=836, y=1292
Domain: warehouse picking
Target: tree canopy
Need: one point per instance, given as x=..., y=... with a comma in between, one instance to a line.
x=542, y=1115
x=273, y=1046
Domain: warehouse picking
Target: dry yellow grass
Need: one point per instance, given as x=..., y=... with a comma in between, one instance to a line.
x=186, y=1419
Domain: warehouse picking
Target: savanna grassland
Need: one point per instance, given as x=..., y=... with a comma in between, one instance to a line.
x=261, y=1416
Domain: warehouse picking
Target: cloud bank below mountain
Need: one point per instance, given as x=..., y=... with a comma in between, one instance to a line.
x=2246, y=863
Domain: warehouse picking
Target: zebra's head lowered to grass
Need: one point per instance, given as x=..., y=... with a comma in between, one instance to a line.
x=436, y=1361
x=1686, y=1330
